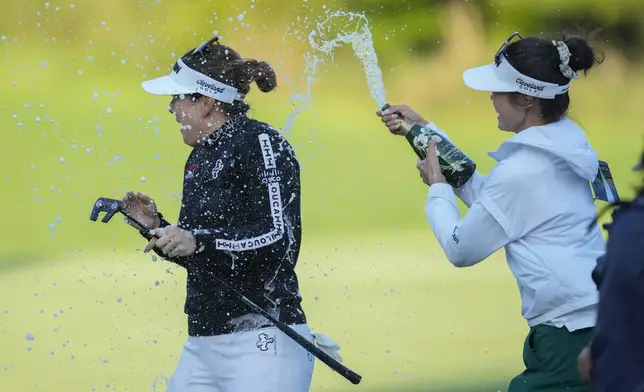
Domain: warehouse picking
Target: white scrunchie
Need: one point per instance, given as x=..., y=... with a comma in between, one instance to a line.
x=564, y=56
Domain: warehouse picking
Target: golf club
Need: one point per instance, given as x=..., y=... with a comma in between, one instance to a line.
x=112, y=206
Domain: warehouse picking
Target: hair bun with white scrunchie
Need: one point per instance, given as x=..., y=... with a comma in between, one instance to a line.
x=564, y=57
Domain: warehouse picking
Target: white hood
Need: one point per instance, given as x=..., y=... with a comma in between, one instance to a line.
x=564, y=139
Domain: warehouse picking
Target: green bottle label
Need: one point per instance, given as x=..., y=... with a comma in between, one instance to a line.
x=457, y=167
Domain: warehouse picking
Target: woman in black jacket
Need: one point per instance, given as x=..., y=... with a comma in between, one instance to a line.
x=240, y=221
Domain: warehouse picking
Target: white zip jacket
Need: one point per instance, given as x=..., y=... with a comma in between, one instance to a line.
x=537, y=204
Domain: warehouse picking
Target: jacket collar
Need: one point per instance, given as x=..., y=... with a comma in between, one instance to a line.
x=227, y=128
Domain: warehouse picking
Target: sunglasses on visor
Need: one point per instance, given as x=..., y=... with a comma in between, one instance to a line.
x=503, y=49
x=199, y=50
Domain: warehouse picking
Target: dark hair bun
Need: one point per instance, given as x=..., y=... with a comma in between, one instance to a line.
x=582, y=55
x=262, y=74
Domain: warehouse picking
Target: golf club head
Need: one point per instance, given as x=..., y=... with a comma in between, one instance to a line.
x=109, y=206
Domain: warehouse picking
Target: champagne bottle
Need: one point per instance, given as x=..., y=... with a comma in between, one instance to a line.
x=457, y=167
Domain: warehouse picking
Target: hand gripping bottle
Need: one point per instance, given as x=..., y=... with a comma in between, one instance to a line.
x=457, y=167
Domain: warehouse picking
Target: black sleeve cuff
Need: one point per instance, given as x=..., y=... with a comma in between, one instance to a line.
x=163, y=223
x=199, y=242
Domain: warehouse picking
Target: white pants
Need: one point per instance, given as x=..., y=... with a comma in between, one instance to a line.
x=264, y=360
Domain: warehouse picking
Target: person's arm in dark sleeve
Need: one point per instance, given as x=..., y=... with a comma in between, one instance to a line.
x=617, y=348
x=271, y=174
x=598, y=271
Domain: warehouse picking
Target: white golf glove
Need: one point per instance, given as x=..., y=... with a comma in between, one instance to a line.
x=327, y=345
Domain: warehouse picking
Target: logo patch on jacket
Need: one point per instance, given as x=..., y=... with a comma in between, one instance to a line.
x=190, y=170
x=217, y=168
x=272, y=175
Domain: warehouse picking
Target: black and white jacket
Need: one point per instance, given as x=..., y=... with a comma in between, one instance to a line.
x=241, y=199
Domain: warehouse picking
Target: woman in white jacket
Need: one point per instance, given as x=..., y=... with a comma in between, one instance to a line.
x=536, y=202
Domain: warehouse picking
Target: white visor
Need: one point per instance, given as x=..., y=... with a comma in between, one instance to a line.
x=504, y=78
x=185, y=80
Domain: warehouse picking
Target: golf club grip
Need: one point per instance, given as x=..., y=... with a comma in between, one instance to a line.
x=331, y=362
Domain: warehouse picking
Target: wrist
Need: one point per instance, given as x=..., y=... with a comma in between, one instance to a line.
x=197, y=241
x=441, y=181
x=441, y=190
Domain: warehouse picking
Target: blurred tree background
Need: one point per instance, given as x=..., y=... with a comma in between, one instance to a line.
x=78, y=126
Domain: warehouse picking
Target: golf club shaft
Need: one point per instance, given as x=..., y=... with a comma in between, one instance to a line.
x=331, y=362
x=142, y=227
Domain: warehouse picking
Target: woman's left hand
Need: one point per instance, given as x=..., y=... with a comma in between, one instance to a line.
x=430, y=169
x=173, y=242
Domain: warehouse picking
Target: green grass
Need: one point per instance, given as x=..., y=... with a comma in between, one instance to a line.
x=405, y=318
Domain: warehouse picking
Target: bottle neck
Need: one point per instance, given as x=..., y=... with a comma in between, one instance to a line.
x=404, y=128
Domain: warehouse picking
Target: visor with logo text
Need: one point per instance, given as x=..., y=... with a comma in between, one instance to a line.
x=185, y=80
x=502, y=77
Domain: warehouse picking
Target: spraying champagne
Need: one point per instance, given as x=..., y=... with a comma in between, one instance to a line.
x=457, y=167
